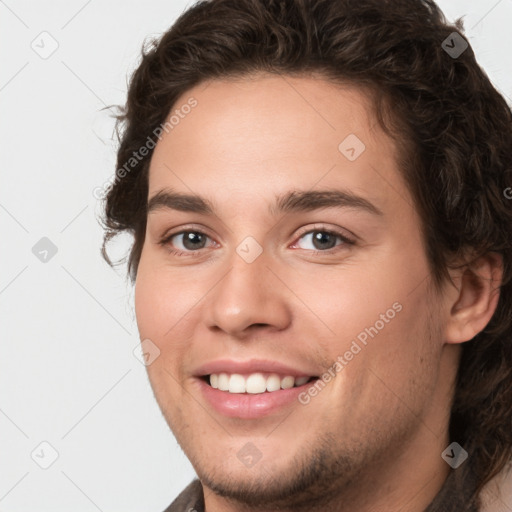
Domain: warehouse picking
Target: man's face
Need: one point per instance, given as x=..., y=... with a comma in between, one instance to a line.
x=259, y=289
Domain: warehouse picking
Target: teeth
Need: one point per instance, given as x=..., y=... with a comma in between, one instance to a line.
x=301, y=380
x=236, y=384
x=288, y=382
x=254, y=383
x=223, y=382
x=273, y=383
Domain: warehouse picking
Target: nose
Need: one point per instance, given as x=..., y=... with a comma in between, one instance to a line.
x=249, y=296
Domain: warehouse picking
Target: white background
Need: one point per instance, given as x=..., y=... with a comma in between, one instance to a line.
x=68, y=375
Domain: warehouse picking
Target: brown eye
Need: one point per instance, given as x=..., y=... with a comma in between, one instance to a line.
x=190, y=240
x=321, y=240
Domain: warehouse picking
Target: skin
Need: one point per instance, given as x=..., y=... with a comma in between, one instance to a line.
x=372, y=438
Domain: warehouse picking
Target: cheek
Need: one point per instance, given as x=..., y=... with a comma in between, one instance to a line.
x=377, y=318
x=338, y=303
x=158, y=309
x=389, y=376
x=162, y=300
x=396, y=364
x=167, y=305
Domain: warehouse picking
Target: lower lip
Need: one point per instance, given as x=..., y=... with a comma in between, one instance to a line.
x=247, y=405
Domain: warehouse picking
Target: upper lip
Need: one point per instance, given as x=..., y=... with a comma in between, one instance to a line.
x=250, y=366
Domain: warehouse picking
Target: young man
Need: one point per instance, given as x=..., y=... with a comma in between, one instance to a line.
x=322, y=254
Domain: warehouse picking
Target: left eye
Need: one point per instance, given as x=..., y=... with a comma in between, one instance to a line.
x=321, y=240
x=190, y=240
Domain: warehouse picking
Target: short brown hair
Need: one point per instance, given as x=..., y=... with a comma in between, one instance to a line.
x=453, y=130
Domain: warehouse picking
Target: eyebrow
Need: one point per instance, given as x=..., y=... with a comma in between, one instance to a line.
x=293, y=201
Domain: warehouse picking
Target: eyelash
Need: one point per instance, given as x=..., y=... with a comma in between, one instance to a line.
x=191, y=254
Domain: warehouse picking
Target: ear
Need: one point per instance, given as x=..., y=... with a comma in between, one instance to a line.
x=474, y=298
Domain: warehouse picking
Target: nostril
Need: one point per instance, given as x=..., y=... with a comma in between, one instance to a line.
x=258, y=325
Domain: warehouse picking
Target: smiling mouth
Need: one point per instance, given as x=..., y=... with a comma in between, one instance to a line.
x=255, y=383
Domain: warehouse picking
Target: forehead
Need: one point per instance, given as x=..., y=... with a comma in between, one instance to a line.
x=262, y=135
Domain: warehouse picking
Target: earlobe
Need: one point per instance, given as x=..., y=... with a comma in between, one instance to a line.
x=475, y=298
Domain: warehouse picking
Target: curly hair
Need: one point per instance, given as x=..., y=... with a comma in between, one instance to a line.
x=452, y=128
